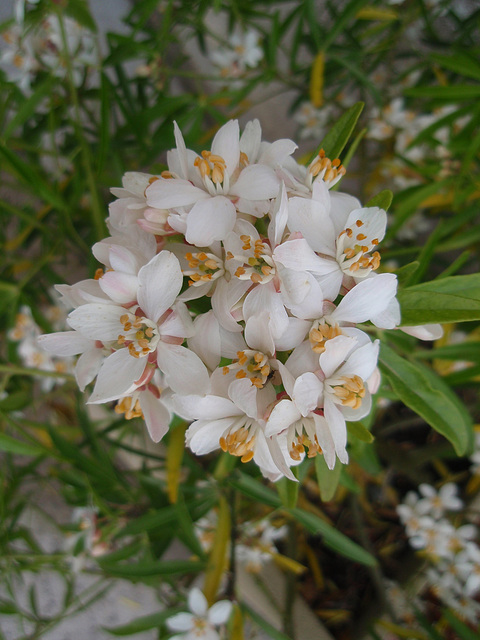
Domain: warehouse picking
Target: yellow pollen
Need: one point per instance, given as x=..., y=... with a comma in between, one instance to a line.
x=361, y=236
x=125, y=406
x=359, y=223
x=318, y=335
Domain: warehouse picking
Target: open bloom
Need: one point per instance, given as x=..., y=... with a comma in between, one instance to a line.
x=202, y=620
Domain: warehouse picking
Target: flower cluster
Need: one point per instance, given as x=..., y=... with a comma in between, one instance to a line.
x=232, y=287
x=452, y=552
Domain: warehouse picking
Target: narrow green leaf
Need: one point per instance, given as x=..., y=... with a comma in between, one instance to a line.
x=80, y=12
x=406, y=272
x=454, y=92
x=464, y=632
x=462, y=63
x=382, y=200
x=358, y=430
x=327, y=479
x=273, y=633
x=145, y=569
x=338, y=136
x=333, y=538
x=428, y=395
x=348, y=14
x=451, y=299
x=150, y=521
x=469, y=351
x=12, y=445
x=144, y=623
x=410, y=203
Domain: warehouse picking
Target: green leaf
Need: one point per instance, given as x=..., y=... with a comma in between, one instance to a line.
x=80, y=12
x=451, y=299
x=288, y=492
x=333, y=538
x=406, y=272
x=464, y=632
x=358, y=430
x=145, y=569
x=328, y=479
x=143, y=623
x=454, y=92
x=348, y=14
x=338, y=136
x=382, y=200
x=12, y=445
x=273, y=633
x=255, y=489
x=16, y=401
x=462, y=63
x=149, y=521
x=410, y=203
x=468, y=351
x=428, y=395
x=8, y=294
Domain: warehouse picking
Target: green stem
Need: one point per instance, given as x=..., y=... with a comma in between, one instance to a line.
x=291, y=580
x=14, y=370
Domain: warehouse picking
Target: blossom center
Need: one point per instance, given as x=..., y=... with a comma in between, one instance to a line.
x=321, y=332
x=140, y=335
x=250, y=364
x=350, y=393
x=238, y=441
x=130, y=406
x=353, y=248
x=322, y=168
x=203, y=267
x=258, y=265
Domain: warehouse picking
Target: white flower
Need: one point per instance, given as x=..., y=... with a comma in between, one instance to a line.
x=202, y=620
x=312, y=121
x=436, y=503
x=243, y=52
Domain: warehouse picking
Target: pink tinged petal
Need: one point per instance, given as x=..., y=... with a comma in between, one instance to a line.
x=279, y=457
x=299, y=256
x=193, y=407
x=170, y=193
x=210, y=220
x=256, y=182
x=181, y=150
x=389, y=318
x=180, y=622
x=258, y=334
x=250, y=140
x=159, y=283
x=184, y=371
x=338, y=429
x=279, y=217
x=197, y=602
x=117, y=377
x=361, y=362
x=307, y=393
x=277, y=152
x=178, y=324
x=206, y=342
x=244, y=395
x=311, y=219
x=203, y=436
x=120, y=287
x=374, y=223
x=336, y=352
x=226, y=144
x=424, y=331
x=220, y=612
x=122, y=259
x=87, y=367
x=325, y=440
x=283, y=415
x=225, y=297
x=265, y=298
x=157, y=416
x=294, y=335
x=64, y=343
x=97, y=321
x=367, y=299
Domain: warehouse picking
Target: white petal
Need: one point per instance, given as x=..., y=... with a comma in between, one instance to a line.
x=203, y=436
x=389, y=318
x=197, y=602
x=299, y=256
x=336, y=352
x=64, y=343
x=184, y=371
x=244, y=395
x=250, y=140
x=220, y=612
x=256, y=182
x=226, y=144
x=87, y=367
x=182, y=151
x=425, y=331
x=225, y=297
x=325, y=440
x=338, y=428
x=265, y=298
x=367, y=299
x=283, y=415
x=210, y=220
x=294, y=335
x=117, y=377
x=311, y=219
x=210, y=407
x=159, y=283
x=361, y=362
x=169, y=193
x=206, y=342
x=157, y=416
x=120, y=287
x=97, y=321
x=307, y=392
x=277, y=152
x=180, y=622
x=258, y=334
